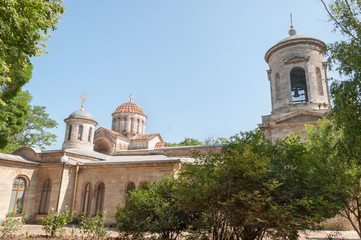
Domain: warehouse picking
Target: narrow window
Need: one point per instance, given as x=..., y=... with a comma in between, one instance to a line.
x=17, y=195
x=87, y=198
x=114, y=125
x=130, y=187
x=131, y=125
x=69, y=133
x=144, y=185
x=90, y=134
x=124, y=126
x=45, y=197
x=80, y=132
x=138, y=125
x=100, y=199
x=278, y=86
x=298, y=85
x=319, y=81
x=119, y=125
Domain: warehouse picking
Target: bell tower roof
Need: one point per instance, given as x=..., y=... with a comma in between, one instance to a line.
x=294, y=40
x=81, y=114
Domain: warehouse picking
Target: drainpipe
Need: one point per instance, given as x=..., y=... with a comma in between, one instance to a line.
x=64, y=159
x=75, y=185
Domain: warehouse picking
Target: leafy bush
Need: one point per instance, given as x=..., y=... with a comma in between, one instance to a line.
x=93, y=226
x=55, y=222
x=154, y=211
x=13, y=223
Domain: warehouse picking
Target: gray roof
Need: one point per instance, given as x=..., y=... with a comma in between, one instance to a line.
x=293, y=37
x=88, y=153
x=124, y=159
x=81, y=114
x=134, y=159
x=15, y=158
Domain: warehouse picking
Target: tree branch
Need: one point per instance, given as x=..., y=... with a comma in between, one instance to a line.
x=337, y=22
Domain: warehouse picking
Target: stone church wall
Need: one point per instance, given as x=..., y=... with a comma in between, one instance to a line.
x=115, y=179
x=7, y=177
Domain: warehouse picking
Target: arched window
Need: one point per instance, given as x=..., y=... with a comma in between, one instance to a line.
x=124, y=126
x=131, y=125
x=69, y=133
x=17, y=195
x=144, y=185
x=100, y=199
x=80, y=132
x=87, y=198
x=130, y=187
x=119, y=125
x=138, y=121
x=278, y=86
x=298, y=85
x=45, y=197
x=90, y=134
x=319, y=81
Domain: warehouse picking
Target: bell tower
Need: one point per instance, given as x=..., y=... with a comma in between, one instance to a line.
x=79, y=131
x=298, y=81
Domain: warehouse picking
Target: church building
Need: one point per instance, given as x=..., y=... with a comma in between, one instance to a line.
x=96, y=168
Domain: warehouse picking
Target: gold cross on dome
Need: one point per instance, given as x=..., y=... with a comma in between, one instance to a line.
x=131, y=97
x=82, y=104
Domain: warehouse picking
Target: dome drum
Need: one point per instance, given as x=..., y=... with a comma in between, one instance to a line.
x=129, y=124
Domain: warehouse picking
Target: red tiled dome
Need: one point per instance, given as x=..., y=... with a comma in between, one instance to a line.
x=129, y=108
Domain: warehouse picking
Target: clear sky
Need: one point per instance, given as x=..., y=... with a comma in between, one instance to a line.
x=195, y=67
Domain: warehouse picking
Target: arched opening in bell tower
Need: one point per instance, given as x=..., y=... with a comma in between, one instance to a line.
x=298, y=85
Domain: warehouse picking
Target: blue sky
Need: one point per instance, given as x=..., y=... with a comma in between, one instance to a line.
x=195, y=67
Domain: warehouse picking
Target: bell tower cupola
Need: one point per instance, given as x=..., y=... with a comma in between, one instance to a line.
x=80, y=126
x=298, y=82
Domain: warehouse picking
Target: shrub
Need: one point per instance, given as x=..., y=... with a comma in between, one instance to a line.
x=55, y=222
x=93, y=226
x=154, y=211
x=13, y=223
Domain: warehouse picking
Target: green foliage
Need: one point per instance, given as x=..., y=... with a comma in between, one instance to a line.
x=254, y=189
x=250, y=190
x=154, y=211
x=345, y=57
x=93, y=226
x=12, y=118
x=13, y=224
x=55, y=222
x=212, y=141
x=186, y=142
x=24, y=125
x=24, y=26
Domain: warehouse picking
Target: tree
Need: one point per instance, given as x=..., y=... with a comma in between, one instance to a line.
x=254, y=189
x=250, y=190
x=154, y=210
x=24, y=26
x=25, y=125
x=186, y=142
x=12, y=119
x=345, y=57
